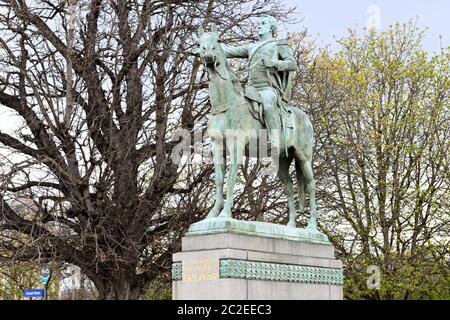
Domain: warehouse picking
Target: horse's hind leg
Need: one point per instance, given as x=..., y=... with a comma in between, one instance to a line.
x=236, y=150
x=311, y=189
x=283, y=174
x=219, y=176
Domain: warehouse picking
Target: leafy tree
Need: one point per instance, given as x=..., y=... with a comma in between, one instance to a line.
x=380, y=107
x=17, y=277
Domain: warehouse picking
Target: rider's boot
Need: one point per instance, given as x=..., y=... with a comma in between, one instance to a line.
x=273, y=122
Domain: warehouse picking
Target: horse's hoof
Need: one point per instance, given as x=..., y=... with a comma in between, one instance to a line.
x=213, y=214
x=225, y=214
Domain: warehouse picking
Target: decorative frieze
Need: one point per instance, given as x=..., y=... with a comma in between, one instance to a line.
x=257, y=270
x=177, y=271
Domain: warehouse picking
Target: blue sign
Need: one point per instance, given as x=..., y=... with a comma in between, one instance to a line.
x=33, y=293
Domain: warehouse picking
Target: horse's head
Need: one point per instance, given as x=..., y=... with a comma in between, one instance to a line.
x=209, y=46
x=224, y=86
x=213, y=56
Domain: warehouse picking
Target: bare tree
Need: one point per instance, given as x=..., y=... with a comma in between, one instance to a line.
x=100, y=86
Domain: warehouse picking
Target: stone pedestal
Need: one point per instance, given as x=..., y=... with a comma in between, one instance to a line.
x=243, y=260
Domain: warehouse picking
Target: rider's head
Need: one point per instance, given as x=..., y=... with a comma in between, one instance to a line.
x=267, y=25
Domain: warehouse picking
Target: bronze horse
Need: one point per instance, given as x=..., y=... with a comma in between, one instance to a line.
x=232, y=116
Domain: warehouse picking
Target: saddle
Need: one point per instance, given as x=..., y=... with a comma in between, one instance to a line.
x=257, y=110
x=255, y=103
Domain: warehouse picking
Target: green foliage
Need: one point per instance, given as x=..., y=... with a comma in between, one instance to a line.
x=158, y=290
x=402, y=277
x=17, y=277
x=380, y=109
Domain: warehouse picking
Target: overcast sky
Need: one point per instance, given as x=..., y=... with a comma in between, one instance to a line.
x=334, y=17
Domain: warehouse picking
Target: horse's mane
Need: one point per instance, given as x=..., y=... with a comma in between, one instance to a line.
x=232, y=75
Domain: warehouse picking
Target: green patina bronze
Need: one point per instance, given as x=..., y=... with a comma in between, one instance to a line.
x=268, y=271
x=257, y=228
x=177, y=271
x=238, y=116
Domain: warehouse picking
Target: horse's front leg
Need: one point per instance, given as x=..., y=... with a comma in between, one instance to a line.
x=283, y=174
x=219, y=176
x=236, y=151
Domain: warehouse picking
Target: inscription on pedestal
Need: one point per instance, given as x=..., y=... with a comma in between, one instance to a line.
x=200, y=270
x=245, y=267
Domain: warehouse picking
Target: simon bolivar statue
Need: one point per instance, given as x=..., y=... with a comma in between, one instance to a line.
x=270, y=62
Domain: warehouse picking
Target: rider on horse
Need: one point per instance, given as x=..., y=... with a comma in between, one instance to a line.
x=233, y=121
x=270, y=64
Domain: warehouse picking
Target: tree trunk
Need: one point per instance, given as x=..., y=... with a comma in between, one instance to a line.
x=119, y=286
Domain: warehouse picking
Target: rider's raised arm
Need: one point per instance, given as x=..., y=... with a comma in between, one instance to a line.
x=287, y=61
x=235, y=52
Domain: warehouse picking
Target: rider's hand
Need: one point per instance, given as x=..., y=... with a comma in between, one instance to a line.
x=271, y=63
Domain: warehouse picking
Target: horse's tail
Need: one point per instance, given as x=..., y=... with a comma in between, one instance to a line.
x=300, y=183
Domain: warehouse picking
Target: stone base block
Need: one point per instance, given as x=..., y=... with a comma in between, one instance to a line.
x=233, y=266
